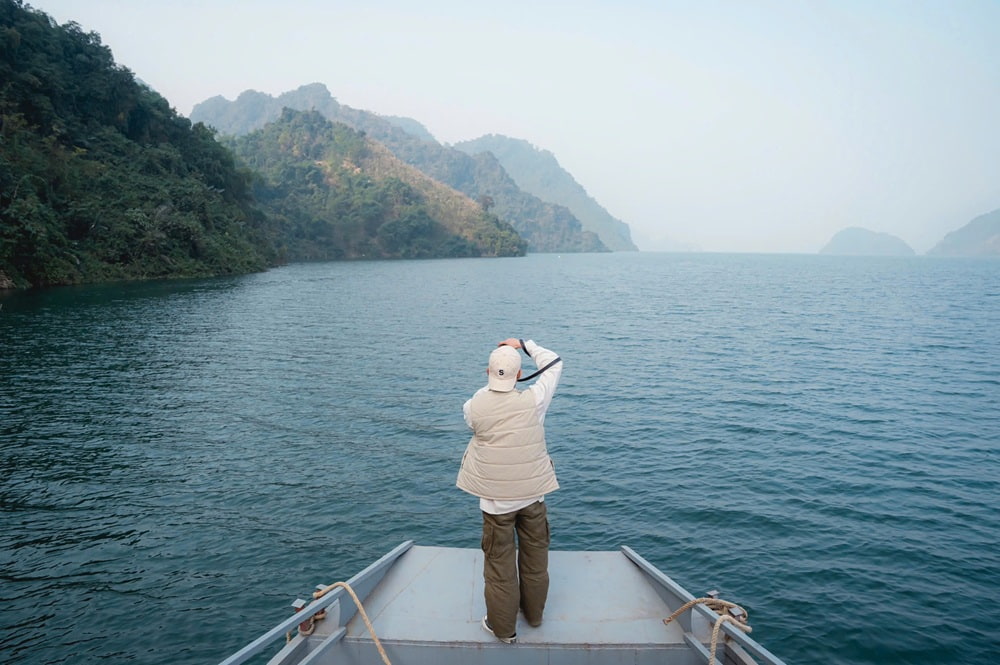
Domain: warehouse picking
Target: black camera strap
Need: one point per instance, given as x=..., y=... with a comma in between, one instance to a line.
x=531, y=376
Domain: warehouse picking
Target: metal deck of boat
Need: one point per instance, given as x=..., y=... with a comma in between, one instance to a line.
x=436, y=594
x=426, y=605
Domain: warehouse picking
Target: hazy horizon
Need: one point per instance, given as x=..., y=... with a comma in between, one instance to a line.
x=729, y=126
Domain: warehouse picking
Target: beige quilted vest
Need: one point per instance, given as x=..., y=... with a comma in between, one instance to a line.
x=506, y=458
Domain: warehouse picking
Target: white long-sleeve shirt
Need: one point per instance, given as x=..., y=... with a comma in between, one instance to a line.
x=543, y=389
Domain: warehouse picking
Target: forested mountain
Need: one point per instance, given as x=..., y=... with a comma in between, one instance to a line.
x=545, y=226
x=100, y=179
x=337, y=194
x=538, y=172
x=857, y=241
x=980, y=237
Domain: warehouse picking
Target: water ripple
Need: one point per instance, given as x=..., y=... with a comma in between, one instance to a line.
x=814, y=437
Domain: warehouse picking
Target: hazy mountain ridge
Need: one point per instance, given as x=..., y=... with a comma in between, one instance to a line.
x=342, y=195
x=857, y=241
x=100, y=179
x=538, y=172
x=411, y=127
x=980, y=237
x=547, y=227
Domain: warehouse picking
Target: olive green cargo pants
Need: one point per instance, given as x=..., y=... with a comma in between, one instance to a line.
x=516, y=576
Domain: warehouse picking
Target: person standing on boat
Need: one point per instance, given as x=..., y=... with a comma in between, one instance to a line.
x=507, y=465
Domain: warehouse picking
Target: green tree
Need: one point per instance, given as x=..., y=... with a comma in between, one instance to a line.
x=100, y=178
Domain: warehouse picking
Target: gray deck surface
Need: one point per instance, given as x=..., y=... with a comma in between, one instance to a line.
x=435, y=594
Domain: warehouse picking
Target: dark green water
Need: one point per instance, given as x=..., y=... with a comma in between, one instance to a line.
x=816, y=437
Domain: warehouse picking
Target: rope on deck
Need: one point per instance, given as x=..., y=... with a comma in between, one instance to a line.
x=361, y=608
x=721, y=607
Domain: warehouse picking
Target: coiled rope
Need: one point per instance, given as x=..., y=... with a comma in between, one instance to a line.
x=719, y=606
x=361, y=608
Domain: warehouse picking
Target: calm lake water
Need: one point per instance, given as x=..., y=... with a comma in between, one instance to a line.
x=816, y=437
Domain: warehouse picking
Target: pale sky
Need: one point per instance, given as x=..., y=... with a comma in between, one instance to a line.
x=732, y=126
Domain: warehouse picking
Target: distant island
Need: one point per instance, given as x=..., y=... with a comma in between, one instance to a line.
x=856, y=241
x=980, y=237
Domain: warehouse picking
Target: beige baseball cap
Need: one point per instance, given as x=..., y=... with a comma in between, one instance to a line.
x=505, y=363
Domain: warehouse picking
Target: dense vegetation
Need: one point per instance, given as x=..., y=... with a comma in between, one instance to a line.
x=546, y=227
x=337, y=194
x=100, y=179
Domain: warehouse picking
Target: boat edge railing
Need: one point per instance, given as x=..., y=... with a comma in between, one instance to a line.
x=259, y=644
x=741, y=638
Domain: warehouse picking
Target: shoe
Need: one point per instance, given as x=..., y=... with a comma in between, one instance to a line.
x=489, y=629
